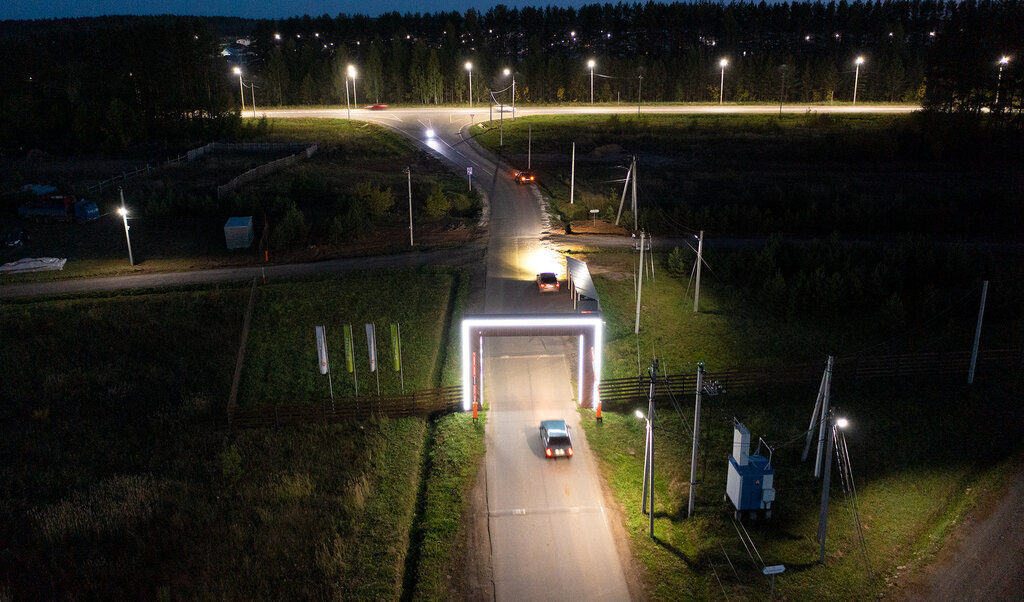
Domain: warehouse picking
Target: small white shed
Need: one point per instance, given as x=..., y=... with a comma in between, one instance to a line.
x=238, y=232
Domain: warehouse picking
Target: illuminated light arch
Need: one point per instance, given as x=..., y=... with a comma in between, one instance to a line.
x=589, y=328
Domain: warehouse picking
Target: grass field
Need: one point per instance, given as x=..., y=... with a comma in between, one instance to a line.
x=864, y=176
x=119, y=480
x=281, y=359
x=177, y=221
x=913, y=486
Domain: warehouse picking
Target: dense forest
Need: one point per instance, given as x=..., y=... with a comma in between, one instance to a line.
x=115, y=81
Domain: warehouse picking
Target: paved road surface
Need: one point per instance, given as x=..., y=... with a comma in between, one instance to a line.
x=549, y=535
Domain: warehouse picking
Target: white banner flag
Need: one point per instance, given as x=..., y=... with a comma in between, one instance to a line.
x=321, y=349
x=371, y=344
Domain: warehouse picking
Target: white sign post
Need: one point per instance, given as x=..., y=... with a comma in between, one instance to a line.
x=321, y=351
x=773, y=570
x=371, y=344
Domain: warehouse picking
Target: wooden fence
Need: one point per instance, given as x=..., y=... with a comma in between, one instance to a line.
x=195, y=153
x=631, y=390
x=419, y=403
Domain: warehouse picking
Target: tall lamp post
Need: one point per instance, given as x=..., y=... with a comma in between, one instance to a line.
x=507, y=73
x=124, y=216
x=856, y=76
x=352, y=74
x=591, y=63
x=721, y=87
x=241, y=92
x=469, y=67
x=999, y=78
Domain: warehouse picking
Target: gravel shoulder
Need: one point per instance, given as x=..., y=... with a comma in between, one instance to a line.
x=984, y=559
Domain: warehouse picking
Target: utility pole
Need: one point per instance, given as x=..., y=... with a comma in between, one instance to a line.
x=572, y=174
x=825, y=482
x=826, y=383
x=825, y=411
x=639, y=95
x=625, y=187
x=635, y=174
x=696, y=433
x=639, y=284
x=977, y=333
x=650, y=447
x=348, y=108
x=408, y=173
x=700, y=260
x=782, y=88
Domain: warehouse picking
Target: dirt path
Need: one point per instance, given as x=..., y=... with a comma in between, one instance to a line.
x=986, y=559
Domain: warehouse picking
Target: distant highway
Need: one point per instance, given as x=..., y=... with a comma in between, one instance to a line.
x=477, y=114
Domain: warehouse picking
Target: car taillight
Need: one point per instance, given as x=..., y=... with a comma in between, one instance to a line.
x=570, y=451
x=547, y=452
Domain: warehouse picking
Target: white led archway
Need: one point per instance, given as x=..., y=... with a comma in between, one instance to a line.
x=589, y=329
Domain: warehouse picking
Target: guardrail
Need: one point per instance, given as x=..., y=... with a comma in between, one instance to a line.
x=419, y=403
x=635, y=389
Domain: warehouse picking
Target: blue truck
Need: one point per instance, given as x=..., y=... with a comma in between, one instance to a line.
x=59, y=208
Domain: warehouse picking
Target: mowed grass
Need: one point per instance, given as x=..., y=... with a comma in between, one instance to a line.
x=913, y=485
x=119, y=480
x=281, y=363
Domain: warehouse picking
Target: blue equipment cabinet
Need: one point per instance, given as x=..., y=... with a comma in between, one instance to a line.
x=751, y=476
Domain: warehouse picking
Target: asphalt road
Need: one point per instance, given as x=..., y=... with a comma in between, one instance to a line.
x=549, y=533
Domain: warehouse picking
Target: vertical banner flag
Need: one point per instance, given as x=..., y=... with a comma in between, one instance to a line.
x=396, y=347
x=371, y=344
x=321, y=349
x=349, y=358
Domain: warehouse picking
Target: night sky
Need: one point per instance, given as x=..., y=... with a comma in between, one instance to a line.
x=45, y=9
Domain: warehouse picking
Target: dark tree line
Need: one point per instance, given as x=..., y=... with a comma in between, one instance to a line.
x=111, y=82
x=801, y=52
x=115, y=81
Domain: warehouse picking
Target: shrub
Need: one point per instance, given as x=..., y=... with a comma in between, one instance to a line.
x=378, y=201
x=438, y=203
x=291, y=232
x=350, y=223
x=677, y=265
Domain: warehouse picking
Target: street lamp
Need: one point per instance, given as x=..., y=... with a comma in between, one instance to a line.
x=241, y=93
x=856, y=76
x=469, y=67
x=352, y=74
x=507, y=73
x=721, y=87
x=124, y=216
x=999, y=79
x=591, y=63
